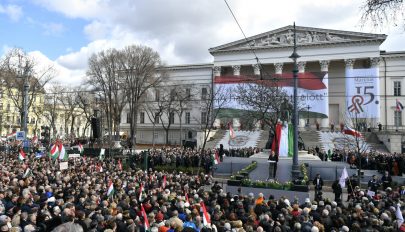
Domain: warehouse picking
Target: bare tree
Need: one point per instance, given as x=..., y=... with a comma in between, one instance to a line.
x=139, y=68
x=51, y=106
x=70, y=103
x=383, y=12
x=15, y=67
x=153, y=112
x=211, y=106
x=85, y=102
x=167, y=106
x=102, y=74
x=183, y=97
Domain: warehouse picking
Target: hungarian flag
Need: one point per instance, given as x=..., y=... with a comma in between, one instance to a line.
x=99, y=168
x=283, y=142
x=352, y=132
x=21, y=155
x=34, y=140
x=12, y=135
x=164, y=182
x=231, y=132
x=63, y=155
x=215, y=158
x=187, y=197
x=399, y=106
x=119, y=165
x=145, y=219
x=206, y=216
x=54, y=152
x=140, y=192
x=80, y=148
x=110, y=190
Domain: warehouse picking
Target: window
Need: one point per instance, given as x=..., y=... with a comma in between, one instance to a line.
x=397, y=88
x=187, y=117
x=128, y=118
x=188, y=93
x=156, y=118
x=398, y=118
x=157, y=95
x=204, y=93
x=142, y=117
x=8, y=106
x=32, y=120
x=203, y=117
x=8, y=118
x=171, y=118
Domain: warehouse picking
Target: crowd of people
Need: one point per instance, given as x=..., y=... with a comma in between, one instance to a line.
x=36, y=194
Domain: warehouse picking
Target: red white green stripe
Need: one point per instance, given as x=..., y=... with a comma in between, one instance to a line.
x=206, y=216
x=110, y=190
x=215, y=158
x=283, y=140
x=63, y=155
x=21, y=155
x=145, y=219
x=80, y=147
x=54, y=152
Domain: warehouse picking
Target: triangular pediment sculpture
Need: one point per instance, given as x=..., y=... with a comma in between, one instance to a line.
x=306, y=36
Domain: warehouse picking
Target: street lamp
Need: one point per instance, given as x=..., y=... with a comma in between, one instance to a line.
x=294, y=56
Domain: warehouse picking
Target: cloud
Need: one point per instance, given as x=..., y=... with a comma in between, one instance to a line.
x=49, y=28
x=14, y=12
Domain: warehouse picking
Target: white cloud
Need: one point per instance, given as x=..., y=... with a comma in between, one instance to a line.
x=14, y=12
x=49, y=28
x=183, y=31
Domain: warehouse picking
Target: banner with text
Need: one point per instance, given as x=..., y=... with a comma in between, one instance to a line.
x=312, y=89
x=362, y=93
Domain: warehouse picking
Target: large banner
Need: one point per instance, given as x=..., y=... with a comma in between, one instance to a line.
x=312, y=89
x=362, y=93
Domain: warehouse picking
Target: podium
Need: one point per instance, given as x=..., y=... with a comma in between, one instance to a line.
x=272, y=166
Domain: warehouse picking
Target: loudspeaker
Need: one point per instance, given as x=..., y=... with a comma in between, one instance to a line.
x=95, y=126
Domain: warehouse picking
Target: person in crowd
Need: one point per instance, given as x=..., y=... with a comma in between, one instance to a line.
x=386, y=180
x=337, y=190
x=318, y=184
x=373, y=184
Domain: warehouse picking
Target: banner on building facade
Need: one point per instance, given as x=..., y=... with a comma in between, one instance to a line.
x=312, y=89
x=362, y=93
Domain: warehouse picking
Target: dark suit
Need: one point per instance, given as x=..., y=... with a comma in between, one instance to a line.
x=274, y=158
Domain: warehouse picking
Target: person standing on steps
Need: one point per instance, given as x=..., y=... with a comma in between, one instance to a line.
x=318, y=184
x=274, y=157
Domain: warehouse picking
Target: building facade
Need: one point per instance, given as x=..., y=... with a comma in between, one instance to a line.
x=357, y=78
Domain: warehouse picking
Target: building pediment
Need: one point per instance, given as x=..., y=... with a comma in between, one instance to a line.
x=306, y=36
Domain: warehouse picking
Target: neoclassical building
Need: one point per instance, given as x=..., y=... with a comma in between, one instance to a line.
x=341, y=74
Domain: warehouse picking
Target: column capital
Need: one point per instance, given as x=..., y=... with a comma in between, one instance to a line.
x=349, y=63
x=236, y=70
x=256, y=69
x=301, y=66
x=278, y=68
x=324, y=65
x=217, y=70
x=375, y=61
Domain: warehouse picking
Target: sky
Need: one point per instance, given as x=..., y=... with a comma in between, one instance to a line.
x=65, y=33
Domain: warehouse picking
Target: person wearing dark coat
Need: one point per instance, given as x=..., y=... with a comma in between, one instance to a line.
x=337, y=190
x=386, y=180
x=318, y=184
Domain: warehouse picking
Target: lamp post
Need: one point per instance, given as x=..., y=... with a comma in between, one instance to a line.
x=294, y=56
x=308, y=107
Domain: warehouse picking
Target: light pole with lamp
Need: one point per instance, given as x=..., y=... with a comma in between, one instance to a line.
x=294, y=56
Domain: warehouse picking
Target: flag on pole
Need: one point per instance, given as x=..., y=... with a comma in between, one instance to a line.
x=119, y=165
x=343, y=177
x=352, y=132
x=283, y=143
x=80, y=148
x=145, y=219
x=34, y=140
x=215, y=157
x=102, y=153
x=206, y=216
x=164, y=182
x=140, y=192
x=21, y=155
x=231, y=132
x=54, y=152
x=398, y=215
x=110, y=190
x=27, y=173
x=399, y=106
x=63, y=155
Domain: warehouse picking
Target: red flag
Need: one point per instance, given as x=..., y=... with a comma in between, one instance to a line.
x=119, y=165
x=187, y=197
x=352, y=132
x=164, y=182
x=145, y=218
x=206, y=216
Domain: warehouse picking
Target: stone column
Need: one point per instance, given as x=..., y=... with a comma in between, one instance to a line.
x=325, y=68
x=375, y=64
x=278, y=68
x=256, y=69
x=217, y=71
x=236, y=70
x=301, y=66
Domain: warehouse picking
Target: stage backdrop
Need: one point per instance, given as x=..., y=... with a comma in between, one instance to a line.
x=312, y=89
x=362, y=93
